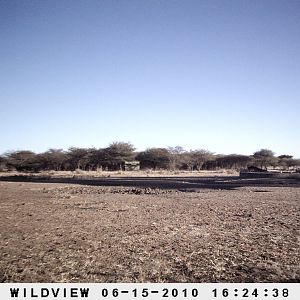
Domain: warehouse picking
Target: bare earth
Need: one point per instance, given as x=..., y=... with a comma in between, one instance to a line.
x=51, y=232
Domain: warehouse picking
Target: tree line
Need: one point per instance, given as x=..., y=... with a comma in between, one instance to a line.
x=116, y=154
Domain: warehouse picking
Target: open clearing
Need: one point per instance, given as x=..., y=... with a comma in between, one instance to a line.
x=53, y=232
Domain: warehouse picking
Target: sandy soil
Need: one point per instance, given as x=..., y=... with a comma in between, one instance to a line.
x=75, y=233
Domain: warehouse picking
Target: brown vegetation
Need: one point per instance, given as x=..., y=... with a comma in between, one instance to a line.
x=114, y=156
x=75, y=233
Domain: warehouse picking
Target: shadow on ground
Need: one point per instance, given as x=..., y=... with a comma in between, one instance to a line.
x=176, y=183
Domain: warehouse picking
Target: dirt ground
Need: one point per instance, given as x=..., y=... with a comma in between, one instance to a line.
x=76, y=233
x=119, y=174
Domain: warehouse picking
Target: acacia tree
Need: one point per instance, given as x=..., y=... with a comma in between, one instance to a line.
x=295, y=163
x=55, y=159
x=189, y=160
x=20, y=160
x=265, y=158
x=75, y=158
x=234, y=161
x=154, y=158
x=176, y=157
x=117, y=153
x=2, y=163
x=91, y=160
x=199, y=157
x=114, y=156
x=287, y=161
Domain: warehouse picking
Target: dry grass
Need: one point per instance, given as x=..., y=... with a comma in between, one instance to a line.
x=73, y=233
x=142, y=173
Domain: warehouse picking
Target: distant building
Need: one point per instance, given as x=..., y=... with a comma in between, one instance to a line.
x=132, y=165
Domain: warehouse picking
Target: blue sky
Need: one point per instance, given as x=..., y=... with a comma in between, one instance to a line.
x=218, y=75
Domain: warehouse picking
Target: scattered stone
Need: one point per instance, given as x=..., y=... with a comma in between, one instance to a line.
x=68, y=192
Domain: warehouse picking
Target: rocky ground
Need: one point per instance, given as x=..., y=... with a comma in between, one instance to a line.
x=76, y=233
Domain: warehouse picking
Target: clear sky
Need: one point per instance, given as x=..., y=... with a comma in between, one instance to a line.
x=218, y=75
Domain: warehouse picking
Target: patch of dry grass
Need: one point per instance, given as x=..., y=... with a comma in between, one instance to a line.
x=149, y=173
x=71, y=233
